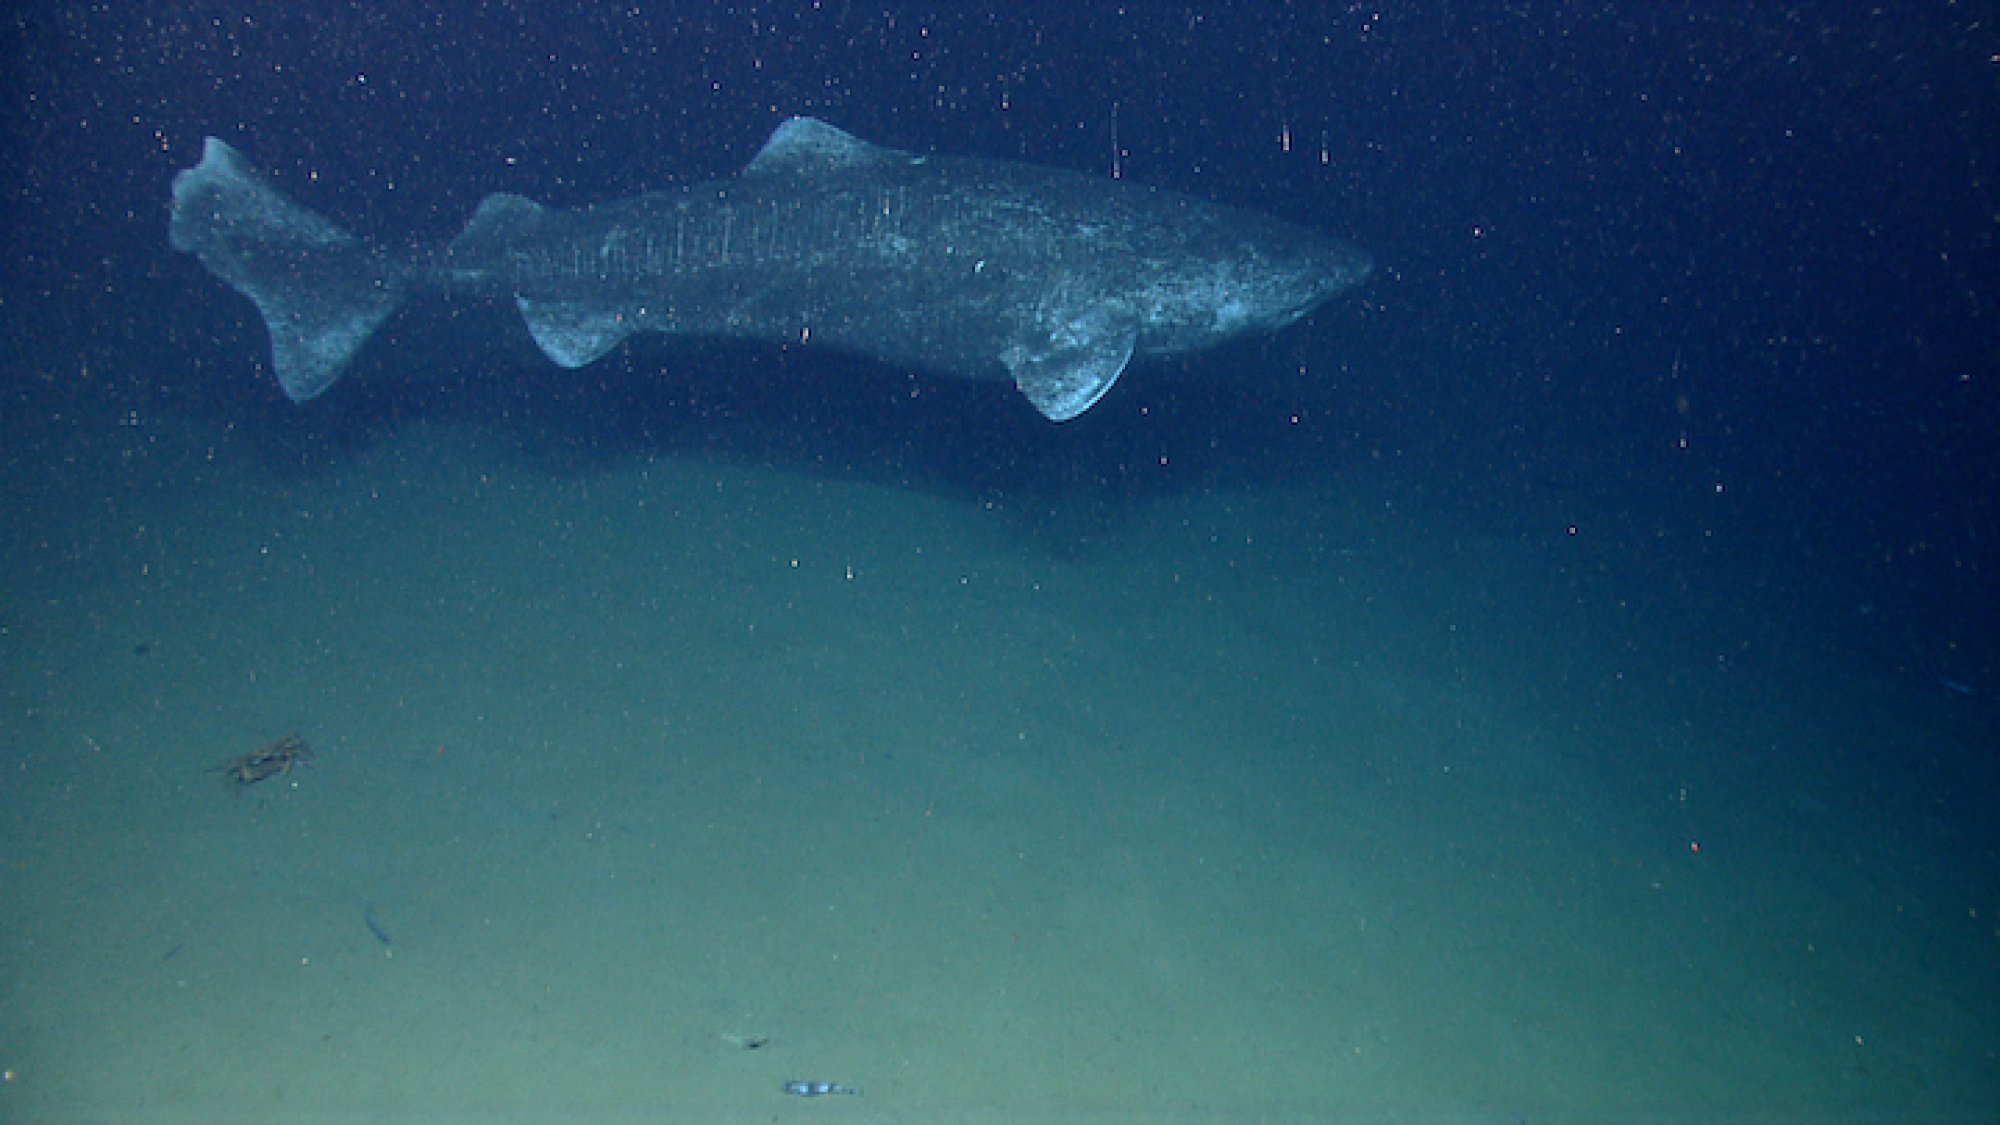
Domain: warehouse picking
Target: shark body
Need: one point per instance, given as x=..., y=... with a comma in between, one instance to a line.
x=968, y=267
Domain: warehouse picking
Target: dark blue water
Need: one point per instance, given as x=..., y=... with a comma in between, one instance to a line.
x=1728, y=265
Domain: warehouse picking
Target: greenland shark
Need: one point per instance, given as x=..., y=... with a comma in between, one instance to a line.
x=982, y=269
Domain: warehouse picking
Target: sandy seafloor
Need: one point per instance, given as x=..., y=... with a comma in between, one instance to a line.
x=1322, y=802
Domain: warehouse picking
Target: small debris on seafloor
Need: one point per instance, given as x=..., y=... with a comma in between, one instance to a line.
x=273, y=759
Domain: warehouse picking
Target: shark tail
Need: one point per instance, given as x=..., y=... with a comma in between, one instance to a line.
x=322, y=291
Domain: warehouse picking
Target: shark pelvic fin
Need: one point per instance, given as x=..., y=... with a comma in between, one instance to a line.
x=574, y=334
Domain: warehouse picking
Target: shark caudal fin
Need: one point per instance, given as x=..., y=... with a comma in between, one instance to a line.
x=322, y=291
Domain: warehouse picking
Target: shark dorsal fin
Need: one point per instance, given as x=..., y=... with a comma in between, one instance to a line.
x=804, y=145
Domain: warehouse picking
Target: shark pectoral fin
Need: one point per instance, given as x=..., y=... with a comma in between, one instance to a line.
x=572, y=334
x=1064, y=380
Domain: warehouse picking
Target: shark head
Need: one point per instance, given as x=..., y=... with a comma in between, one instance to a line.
x=1248, y=284
x=1298, y=278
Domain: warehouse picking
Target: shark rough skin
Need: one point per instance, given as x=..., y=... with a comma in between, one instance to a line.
x=980, y=269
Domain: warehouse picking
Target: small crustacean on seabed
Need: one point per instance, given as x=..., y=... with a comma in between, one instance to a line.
x=267, y=761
